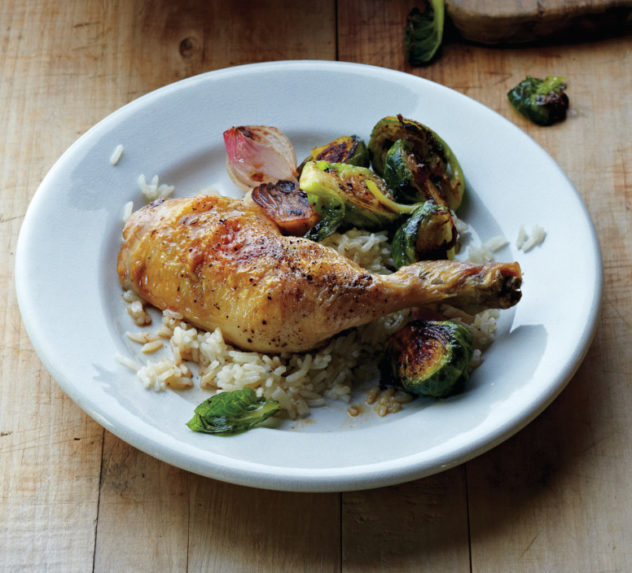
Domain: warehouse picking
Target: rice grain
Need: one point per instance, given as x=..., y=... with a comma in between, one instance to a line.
x=116, y=154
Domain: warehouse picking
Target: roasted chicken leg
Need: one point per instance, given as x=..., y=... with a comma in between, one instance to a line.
x=221, y=262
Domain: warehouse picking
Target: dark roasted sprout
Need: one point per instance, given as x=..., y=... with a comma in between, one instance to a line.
x=424, y=31
x=438, y=173
x=346, y=149
x=367, y=202
x=428, y=234
x=410, y=179
x=428, y=358
x=543, y=101
x=399, y=167
x=232, y=412
x=287, y=205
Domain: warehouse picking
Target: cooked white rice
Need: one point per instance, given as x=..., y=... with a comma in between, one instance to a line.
x=116, y=154
x=527, y=241
x=127, y=210
x=485, y=253
x=153, y=189
x=369, y=250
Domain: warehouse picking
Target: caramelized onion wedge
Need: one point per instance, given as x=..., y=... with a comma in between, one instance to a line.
x=258, y=154
x=287, y=205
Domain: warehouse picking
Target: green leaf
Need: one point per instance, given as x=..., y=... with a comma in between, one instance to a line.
x=423, y=33
x=232, y=412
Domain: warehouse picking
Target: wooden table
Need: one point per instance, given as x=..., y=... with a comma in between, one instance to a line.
x=556, y=497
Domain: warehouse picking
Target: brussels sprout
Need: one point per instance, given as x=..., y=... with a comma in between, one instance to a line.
x=368, y=204
x=409, y=179
x=543, y=101
x=429, y=233
x=439, y=162
x=346, y=149
x=428, y=358
x=399, y=165
x=424, y=32
x=287, y=205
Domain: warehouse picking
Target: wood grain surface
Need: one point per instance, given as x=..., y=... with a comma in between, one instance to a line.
x=73, y=497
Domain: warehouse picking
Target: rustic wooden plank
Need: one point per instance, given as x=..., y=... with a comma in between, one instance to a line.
x=49, y=450
x=153, y=516
x=416, y=526
x=372, y=32
x=143, y=512
x=238, y=529
x=165, y=42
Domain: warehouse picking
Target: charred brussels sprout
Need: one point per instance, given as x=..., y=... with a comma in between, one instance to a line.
x=346, y=149
x=428, y=358
x=411, y=180
x=399, y=165
x=543, y=101
x=429, y=233
x=424, y=32
x=287, y=206
x=367, y=202
x=437, y=163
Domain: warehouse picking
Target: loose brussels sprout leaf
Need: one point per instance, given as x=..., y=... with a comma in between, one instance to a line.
x=429, y=233
x=232, y=412
x=440, y=167
x=428, y=358
x=543, y=101
x=424, y=32
x=287, y=205
x=346, y=149
x=368, y=203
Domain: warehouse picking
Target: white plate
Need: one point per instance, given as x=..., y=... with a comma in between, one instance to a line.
x=70, y=298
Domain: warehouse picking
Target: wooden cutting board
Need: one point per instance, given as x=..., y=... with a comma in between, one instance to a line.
x=520, y=21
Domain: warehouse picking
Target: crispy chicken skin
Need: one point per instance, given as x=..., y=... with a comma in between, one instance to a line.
x=221, y=263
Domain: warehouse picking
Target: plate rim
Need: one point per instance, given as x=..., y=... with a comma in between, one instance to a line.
x=310, y=479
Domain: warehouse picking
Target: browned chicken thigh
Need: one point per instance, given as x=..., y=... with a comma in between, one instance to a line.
x=221, y=263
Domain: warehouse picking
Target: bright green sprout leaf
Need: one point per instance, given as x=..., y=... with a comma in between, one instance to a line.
x=232, y=412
